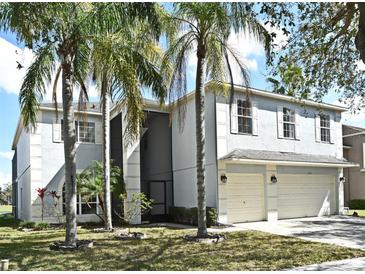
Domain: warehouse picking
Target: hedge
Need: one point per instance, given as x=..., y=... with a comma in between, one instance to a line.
x=189, y=216
x=357, y=204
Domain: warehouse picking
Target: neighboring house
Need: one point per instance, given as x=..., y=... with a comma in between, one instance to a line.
x=39, y=161
x=354, y=151
x=268, y=157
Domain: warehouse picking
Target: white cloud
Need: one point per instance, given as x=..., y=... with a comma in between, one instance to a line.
x=350, y=117
x=5, y=178
x=10, y=77
x=7, y=154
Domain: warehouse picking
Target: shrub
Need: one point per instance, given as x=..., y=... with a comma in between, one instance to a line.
x=27, y=224
x=42, y=226
x=189, y=216
x=357, y=204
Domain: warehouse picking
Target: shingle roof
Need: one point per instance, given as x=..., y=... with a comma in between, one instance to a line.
x=88, y=106
x=282, y=156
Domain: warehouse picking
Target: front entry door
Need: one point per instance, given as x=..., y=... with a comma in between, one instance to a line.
x=157, y=192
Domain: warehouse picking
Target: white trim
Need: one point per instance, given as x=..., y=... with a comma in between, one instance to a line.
x=287, y=163
x=75, y=111
x=234, y=117
x=280, y=121
x=255, y=121
x=353, y=134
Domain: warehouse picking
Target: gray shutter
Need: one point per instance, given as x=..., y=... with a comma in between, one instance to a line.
x=280, y=122
x=255, y=126
x=234, y=118
x=317, y=121
x=56, y=132
x=297, y=124
x=332, y=130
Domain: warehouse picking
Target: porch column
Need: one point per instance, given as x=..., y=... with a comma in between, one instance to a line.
x=222, y=194
x=271, y=194
x=131, y=169
x=339, y=192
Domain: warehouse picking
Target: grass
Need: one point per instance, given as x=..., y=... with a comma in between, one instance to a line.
x=163, y=250
x=361, y=212
x=5, y=208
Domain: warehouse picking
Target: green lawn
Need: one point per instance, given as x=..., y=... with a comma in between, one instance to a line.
x=5, y=208
x=247, y=250
x=361, y=212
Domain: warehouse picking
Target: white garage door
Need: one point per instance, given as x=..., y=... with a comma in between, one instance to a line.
x=245, y=197
x=305, y=195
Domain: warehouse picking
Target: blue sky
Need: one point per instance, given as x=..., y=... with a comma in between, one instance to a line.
x=11, y=78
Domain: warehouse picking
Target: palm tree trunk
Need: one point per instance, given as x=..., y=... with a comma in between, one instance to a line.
x=69, y=149
x=106, y=155
x=200, y=141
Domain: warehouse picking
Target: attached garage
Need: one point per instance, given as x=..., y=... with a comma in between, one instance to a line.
x=246, y=198
x=305, y=195
x=272, y=185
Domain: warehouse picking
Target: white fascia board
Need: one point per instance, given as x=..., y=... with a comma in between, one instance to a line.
x=287, y=163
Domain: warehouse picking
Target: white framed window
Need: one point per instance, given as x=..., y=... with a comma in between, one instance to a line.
x=244, y=116
x=83, y=206
x=85, y=131
x=288, y=123
x=325, y=128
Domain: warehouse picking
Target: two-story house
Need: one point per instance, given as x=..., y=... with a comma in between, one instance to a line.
x=268, y=156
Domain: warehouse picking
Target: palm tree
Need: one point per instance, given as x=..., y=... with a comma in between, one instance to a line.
x=90, y=183
x=56, y=32
x=123, y=60
x=204, y=28
x=60, y=35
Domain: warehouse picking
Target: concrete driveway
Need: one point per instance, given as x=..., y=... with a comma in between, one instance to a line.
x=340, y=230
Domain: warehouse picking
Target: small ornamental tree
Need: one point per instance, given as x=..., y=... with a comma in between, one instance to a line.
x=56, y=202
x=41, y=192
x=139, y=204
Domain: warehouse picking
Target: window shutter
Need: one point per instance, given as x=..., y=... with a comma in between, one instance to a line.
x=56, y=132
x=332, y=130
x=318, y=127
x=280, y=122
x=297, y=124
x=255, y=126
x=234, y=119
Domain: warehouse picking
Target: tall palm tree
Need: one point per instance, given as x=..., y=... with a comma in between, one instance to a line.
x=204, y=28
x=56, y=33
x=123, y=58
x=60, y=34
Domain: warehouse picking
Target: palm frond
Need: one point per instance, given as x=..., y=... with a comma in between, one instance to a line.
x=34, y=85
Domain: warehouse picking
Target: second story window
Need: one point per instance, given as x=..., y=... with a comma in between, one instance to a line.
x=244, y=116
x=288, y=123
x=325, y=128
x=85, y=131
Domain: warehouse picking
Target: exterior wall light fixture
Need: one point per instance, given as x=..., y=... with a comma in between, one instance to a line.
x=273, y=179
x=224, y=178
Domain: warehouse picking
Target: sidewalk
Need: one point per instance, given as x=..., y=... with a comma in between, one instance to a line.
x=342, y=265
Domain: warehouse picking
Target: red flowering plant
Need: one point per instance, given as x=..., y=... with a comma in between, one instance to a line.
x=41, y=193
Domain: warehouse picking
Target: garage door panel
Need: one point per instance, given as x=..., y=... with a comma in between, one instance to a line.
x=245, y=197
x=305, y=195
